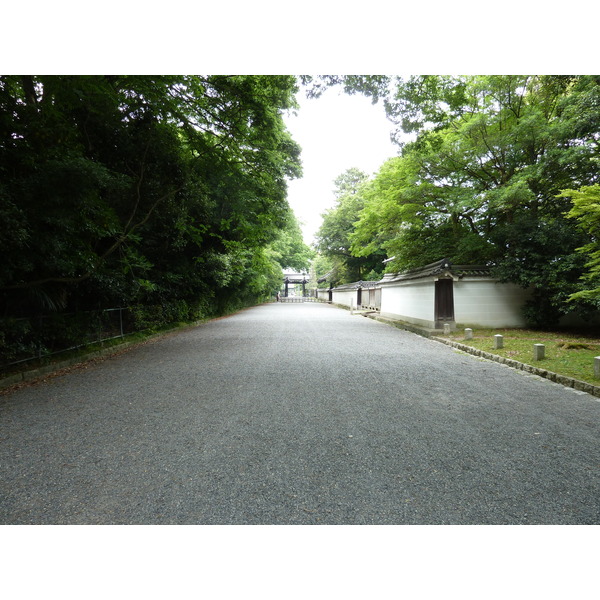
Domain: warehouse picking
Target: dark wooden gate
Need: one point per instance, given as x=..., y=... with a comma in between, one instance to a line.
x=444, y=301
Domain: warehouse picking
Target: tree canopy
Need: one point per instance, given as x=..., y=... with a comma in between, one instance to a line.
x=120, y=190
x=144, y=189
x=334, y=238
x=480, y=180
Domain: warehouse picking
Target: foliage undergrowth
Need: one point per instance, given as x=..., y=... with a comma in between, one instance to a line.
x=153, y=328
x=568, y=353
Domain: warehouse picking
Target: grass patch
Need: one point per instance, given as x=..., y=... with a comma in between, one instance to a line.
x=567, y=353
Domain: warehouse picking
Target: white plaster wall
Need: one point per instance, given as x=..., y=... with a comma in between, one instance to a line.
x=477, y=302
x=489, y=304
x=323, y=294
x=412, y=302
x=344, y=297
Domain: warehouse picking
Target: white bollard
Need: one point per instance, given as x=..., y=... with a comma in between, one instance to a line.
x=498, y=341
x=539, y=351
x=446, y=328
x=597, y=367
x=468, y=334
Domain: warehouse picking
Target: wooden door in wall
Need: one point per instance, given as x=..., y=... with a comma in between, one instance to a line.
x=444, y=301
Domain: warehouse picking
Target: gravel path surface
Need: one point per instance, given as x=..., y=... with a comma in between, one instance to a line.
x=298, y=414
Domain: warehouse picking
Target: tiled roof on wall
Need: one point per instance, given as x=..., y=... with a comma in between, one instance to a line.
x=440, y=267
x=356, y=284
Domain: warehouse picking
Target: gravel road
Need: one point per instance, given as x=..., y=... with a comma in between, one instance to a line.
x=298, y=414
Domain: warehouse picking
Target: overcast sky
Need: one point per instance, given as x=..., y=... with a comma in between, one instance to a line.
x=336, y=132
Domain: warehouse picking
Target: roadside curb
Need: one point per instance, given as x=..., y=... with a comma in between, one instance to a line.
x=422, y=331
x=563, y=380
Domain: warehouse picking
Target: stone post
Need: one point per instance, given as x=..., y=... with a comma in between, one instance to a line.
x=539, y=351
x=498, y=341
x=446, y=328
x=597, y=367
x=468, y=334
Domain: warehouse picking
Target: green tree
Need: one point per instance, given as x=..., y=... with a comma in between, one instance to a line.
x=121, y=189
x=481, y=178
x=334, y=236
x=322, y=267
x=586, y=211
x=289, y=249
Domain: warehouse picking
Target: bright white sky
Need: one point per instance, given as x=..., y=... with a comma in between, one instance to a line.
x=336, y=132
